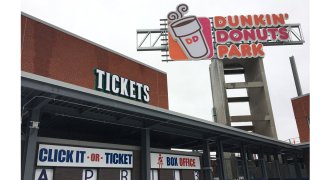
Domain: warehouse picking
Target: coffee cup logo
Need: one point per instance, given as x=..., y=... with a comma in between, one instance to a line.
x=188, y=33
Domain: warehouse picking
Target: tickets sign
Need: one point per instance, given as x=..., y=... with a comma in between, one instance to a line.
x=171, y=161
x=114, y=84
x=67, y=156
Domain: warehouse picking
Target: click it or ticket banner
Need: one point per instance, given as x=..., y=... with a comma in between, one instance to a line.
x=68, y=156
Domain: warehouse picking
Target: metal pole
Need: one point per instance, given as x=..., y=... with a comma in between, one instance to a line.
x=244, y=162
x=277, y=164
x=263, y=165
x=206, y=161
x=295, y=75
x=145, y=154
x=220, y=158
x=31, y=146
x=297, y=167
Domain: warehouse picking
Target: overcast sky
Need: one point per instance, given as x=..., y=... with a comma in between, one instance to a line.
x=113, y=24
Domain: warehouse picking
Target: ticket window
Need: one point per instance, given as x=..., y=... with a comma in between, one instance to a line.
x=176, y=175
x=154, y=174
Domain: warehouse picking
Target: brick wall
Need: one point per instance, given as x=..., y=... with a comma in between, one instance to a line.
x=301, y=108
x=49, y=52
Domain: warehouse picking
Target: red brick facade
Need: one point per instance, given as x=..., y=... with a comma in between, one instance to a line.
x=301, y=108
x=49, y=52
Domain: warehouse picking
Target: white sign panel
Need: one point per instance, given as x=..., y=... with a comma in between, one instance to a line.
x=67, y=156
x=154, y=174
x=43, y=174
x=171, y=161
x=125, y=174
x=89, y=174
x=176, y=175
x=196, y=175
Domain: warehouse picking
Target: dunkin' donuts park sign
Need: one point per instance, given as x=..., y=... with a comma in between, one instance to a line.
x=225, y=37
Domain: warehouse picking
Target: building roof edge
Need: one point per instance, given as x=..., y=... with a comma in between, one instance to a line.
x=88, y=41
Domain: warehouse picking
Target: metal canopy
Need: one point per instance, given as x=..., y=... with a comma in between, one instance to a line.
x=73, y=112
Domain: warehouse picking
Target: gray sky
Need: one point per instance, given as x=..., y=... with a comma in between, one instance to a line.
x=113, y=24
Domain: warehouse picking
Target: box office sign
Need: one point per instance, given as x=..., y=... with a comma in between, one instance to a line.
x=68, y=156
x=171, y=161
x=239, y=36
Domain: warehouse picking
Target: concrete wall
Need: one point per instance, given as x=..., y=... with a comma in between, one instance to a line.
x=256, y=86
x=260, y=104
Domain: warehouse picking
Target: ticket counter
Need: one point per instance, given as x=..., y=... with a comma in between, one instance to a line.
x=69, y=161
